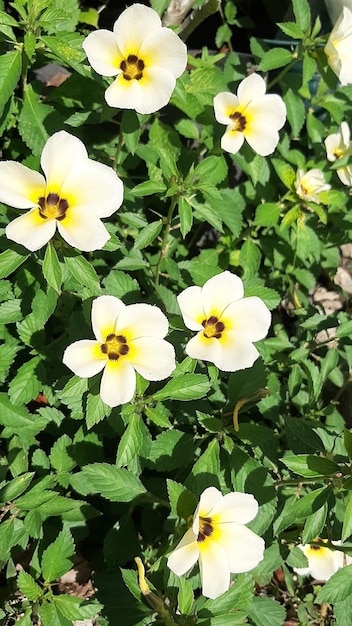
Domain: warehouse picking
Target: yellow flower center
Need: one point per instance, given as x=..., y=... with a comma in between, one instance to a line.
x=206, y=528
x=213, y=327
x=239, y=121
x=338, y=153
x=52, y=207
x=114, y=347
x=132, y=67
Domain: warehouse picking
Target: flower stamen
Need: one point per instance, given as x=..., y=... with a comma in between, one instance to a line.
x=52, y=207
x=205, y=528
x=132, y=67
x=213, y=327
x=239, y=121
x=115, y=346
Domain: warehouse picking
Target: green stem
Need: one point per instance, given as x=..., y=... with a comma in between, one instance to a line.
x=282, y=73
x=118, y=150
x=163, y=248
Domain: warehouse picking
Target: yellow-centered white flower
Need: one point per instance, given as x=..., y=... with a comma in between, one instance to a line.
x=227, y=323
x=252, y=115
x=338, y=47
x=337, y=146
x=322, y=562
x=145, y=57
x=72, y=196
x=310, y=184
x=129, y=339
x=219, y=540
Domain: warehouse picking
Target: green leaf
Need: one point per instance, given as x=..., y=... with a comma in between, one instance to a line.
x=291, y=30
x=285, y=172
x=347, y=521
x=302, y=13
x=186, y=216
x=171, y=449
x=212, y=170
x=10, y=72
x=345, y=329
x=10, y=260
x=60, y=458
x=15, y=487
x=31, y=121
x=10, y=311
x=57, y=558
x=26, y=385
x=52, y=268
x=338, y=587
x=182, y=501
x=310, y=503
x=67, y=48
x=148, y=188
x=296, y=113
x=277, y=57
x=266, y=612
x=131, y=129
x=206, y=470
x=314, y=524
x=132, y=444
x=147, y=235
x=309, y=466
x=267, y=214
x=114, y=484
x=250, y=257
x=84, y=273
x=301, y=437
x=185, y=596
x=28, y=586
x=239, y=596
x=186, y=387
x=347, y=437
x=68, y=606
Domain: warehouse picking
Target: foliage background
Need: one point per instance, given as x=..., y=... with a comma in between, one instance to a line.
x=79, y=480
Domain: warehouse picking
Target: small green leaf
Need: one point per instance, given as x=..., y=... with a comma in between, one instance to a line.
x=296, y=112
x=285, y=172
x=309, y=466
x=310, y=503
x=52, y=268
x=114, y=484
x=148, y=188
x=57, y=558
x=28, y=586
x=302, y=13
x=10, y=260
x=31, y=120
x=314, y=524
x=186, y=216
x=338, y=587
x=15, y=487
x=347, y=521
x=277, y=57
x=185, y=596
x=147, y=235
x=250, y=257
x=291, y=30
x=267, y=214
x=266, y=612
x=187, y=387
x=84, y=273
x=10, y=72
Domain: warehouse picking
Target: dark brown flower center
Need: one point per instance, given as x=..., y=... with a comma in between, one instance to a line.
x=132, y=67
x=213, y=327
x=239, y=121
x=114, y=346
x=205, y=528
x=52, y=207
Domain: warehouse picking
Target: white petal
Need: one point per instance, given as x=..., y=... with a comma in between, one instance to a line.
x=235, y=507
x=232, y=140
x=345, y=134
x=60, y=154
x=105, y=313
x=214, y=569
x=165, y=50
x=225, y=104
x=94, y=187
x=345, y=175
x=20, y=187
x=266, y=116
x=30, y=230
x=118, y=383
x=322, y=565
x=84, y=358
x=132, y=27
x=219, y=291
x=102, y=52
x=210, y=499
x=244, y=549
x=204, y=349
x=185, y=554
x=249, y=316
x=83, y=230
x=190, y=303
x=142, y=320
x=332, y=143
x=147, y=95
x=153, y=358
x=253, y=86
x=237, y=352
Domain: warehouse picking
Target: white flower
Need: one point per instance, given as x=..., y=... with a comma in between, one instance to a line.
x=227, y=323
x=129, y=339
x=75, y=193
x=219, y=540
x=145, y=57
x=337, y=146
x=310, y=184
x=322, y=562
x=338, y=47
x=251, y=115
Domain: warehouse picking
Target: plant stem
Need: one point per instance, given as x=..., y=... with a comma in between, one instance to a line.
x=164, y=244
x=282, y=73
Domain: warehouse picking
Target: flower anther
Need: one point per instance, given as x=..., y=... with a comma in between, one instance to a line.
x=252, y=115
x=219, y=540
x=227, y=323
x=72, y=196
x=127, y=340
x=145, y=57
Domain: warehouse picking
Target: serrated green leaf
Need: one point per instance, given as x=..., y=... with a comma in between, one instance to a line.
x=15, y=487
x=277, y=57
x=267, y=214
x=147, y=235
x=28, y=586
x=285, y=172
x=10, y=260
x=132, y=444
x=148, y=188
x=114, y=484
x=31, y=121
x=186, y=216
x=309, y=466
x=338, y=587
x=296, y=112
x=302, y=13
x=57, y=558
x=182, y=501
x=250, y=257
x=291, y=30
x=185, y=596
x=314, y=524
x=26, y=385
x=266, y=612
x=60, y=458
x=10, y=72
x=310, y=503
x=186, y=387
x=52, y=268
x=84, y=273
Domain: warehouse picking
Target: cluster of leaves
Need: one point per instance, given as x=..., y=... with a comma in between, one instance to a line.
x=124, y=482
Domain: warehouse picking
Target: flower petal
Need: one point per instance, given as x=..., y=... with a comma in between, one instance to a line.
x=332, y=143
x=214, y=569
x=60, y=154
x=118, y=383
x=204, y=349
x=219, y=291
x=163, y=49
x=225, y=104
x=142, y=320
x=94, y=187
x=84, y=358
x=103, y=53
x=249, y=316
x=237, y=352
x=235, y=507
x=209, y=500
x=83, y=230
x=232, y=140
x=251, y=87
x=191, y=306
x=244, y=549
x=131, y=27
x=105, y=312
x=185, y=554
x=20, y=186
x=147, y=95
x=152, y=357
x=30, y=230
